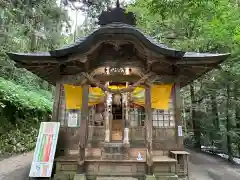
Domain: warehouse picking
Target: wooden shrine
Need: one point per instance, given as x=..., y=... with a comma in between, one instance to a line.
x=117, y=98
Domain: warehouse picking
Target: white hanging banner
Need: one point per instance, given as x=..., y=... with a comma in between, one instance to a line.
x=180, y=131
x=72, y=119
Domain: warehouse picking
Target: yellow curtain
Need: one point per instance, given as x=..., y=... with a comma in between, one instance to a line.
x=160, y=96
x=73, y=96
x=96, y=94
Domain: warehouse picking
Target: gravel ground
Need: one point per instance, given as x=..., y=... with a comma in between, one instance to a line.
x=211, y=168
x=16, y=167
x=201, y=167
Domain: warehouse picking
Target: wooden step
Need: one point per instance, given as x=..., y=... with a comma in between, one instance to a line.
x=164, y=166
x=163, y=159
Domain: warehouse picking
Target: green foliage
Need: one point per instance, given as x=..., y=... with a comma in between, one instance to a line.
x=203, y=26
x=21, y=111
x=23, y=98
x=20, y=137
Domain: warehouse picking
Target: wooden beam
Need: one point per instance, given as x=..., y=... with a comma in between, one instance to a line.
x=56, y=102
x=118, y=78
x=76, y=57
x=72, y=79
x=84, y=115
x=83, y=129
x=177, y=113
x=148, y=121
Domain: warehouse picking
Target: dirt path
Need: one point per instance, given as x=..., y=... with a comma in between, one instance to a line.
x=16, y=167
x=214, y=168
x=197, y=173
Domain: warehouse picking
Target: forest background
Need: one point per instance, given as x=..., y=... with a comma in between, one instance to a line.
x=210, y=105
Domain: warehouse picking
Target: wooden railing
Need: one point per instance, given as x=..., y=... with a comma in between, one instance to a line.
x=163, y=138
x=96, y=133
x=137, y=133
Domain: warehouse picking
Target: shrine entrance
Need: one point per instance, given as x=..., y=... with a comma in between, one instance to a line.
x=117, y=119
x=117, y=122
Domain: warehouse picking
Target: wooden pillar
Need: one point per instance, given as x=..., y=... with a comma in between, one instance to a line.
x=126, y=119
x=177, y=112
x=83, y=127
x=56, y=102
x=107, y=115
x=148, y=121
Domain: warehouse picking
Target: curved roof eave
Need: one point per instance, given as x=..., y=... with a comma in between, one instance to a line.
x=30, y=56
x=83, y=44
x=198, y=56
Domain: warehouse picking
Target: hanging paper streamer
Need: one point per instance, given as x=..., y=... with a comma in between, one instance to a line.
x=138, y=96
x=96, y=95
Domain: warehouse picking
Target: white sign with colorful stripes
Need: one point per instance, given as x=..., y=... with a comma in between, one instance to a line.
x=45, y=150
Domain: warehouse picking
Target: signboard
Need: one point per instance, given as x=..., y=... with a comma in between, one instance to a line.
x=72, y=119
x=180, y=131
x=45, y=150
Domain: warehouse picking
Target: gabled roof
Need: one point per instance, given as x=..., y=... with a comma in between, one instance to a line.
x=51, y=61
x=83, y=44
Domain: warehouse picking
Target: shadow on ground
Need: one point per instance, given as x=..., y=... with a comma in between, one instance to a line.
x=19, y=174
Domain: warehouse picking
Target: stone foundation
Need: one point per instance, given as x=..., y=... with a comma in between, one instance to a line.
x=116, y=178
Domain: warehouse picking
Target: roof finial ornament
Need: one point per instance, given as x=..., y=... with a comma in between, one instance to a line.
x=116, y=15
x=118, y=4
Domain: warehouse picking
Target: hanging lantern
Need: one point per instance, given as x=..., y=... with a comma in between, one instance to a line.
x=117, y=99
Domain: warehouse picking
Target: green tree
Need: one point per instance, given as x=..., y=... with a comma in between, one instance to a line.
x=203, y=26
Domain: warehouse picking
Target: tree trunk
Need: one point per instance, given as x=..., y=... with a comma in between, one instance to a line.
x=215, y=122
x=215, y=111
x=195, y=122
x=237, y=112
x=228, y=124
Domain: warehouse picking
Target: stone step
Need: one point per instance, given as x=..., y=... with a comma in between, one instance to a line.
x=114, y=147
x=149, y=177
x=116, y=178
x=115, y=156
x=80, y=177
